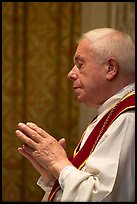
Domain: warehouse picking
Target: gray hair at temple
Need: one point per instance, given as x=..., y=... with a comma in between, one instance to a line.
x=110, y=43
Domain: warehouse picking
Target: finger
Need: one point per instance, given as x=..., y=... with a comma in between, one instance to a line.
x=62, y=142
x=28, y=149
x=29, y=132
x=43, y=171
x=39, y=130
x=34, y=163
x=25, y=139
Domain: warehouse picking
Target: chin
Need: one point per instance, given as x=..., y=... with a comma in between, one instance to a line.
x=81, y=99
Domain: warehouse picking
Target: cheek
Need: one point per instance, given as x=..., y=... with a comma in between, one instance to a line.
x=91, y=79
x=97, y=77
x=93, y=83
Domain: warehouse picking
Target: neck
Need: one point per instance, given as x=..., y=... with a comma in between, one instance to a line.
x=115, y=89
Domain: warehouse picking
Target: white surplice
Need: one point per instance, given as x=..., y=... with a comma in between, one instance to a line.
x=109, y=172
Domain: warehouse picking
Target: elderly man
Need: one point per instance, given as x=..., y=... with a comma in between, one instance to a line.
x=102, y=167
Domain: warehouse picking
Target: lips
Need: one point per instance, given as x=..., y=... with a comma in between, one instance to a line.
x=76, y=87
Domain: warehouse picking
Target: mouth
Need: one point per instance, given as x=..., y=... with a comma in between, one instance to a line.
x=76, y=87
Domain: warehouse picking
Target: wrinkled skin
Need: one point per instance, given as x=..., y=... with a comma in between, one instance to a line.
x=43, y=151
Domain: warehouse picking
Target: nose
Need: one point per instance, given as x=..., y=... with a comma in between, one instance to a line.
x=72, y=75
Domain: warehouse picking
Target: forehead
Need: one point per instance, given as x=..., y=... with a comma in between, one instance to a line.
x=82, y=49
x=83, y=45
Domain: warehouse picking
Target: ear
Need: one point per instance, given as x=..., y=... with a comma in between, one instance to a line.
x=112, y=69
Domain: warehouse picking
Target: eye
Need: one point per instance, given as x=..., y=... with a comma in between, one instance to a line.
x=79, y=65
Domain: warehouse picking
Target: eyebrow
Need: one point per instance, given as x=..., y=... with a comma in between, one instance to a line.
x=77, y=58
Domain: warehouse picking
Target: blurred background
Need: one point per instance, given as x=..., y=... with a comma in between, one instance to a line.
x=38, y=43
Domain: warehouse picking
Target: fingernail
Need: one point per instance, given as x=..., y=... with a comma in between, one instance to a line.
x=29, y=124
x=17, y=132
x=21, y=124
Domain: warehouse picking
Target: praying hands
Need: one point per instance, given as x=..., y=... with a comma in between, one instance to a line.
x=45, y=153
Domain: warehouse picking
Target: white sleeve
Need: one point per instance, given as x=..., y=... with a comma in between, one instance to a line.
x=103, y=167
x=46, y=187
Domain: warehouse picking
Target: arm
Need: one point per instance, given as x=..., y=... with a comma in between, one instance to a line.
x=109, y=171
x=99, y=175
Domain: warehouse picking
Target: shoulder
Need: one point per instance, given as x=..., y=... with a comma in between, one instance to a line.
x=125, y=122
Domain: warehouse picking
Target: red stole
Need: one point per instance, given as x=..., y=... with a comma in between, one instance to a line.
x=78, y=159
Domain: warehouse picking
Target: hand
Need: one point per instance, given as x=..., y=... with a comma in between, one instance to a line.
x=45, y=149
x=25, y=150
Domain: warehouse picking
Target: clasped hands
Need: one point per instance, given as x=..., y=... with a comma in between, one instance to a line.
x=45, y=153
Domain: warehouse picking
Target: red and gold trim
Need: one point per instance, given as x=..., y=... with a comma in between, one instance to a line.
x=79, y=158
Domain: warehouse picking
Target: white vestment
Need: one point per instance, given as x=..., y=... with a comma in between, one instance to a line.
x=109, y=172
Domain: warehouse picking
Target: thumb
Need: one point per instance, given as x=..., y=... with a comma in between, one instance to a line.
x=62, y=142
